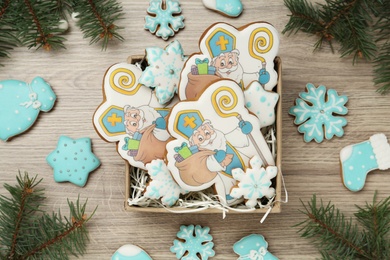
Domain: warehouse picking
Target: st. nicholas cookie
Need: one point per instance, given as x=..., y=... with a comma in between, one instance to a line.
x=214, y=135
x=73, y=160
x=163, y=71
x=132, y=116
x=163, y=18
x=243, y=55
x=20, y=104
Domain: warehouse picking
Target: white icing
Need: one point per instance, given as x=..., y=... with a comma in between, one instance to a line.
x=381, y=150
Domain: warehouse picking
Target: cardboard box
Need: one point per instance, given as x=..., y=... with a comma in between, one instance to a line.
x=278, y=180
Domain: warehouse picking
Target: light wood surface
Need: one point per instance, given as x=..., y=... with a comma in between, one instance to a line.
x=76, y=75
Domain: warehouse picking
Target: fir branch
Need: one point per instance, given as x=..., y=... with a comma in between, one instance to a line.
x=97, y=20
x=7, y=40
x=44, y=30
x=332, y=232
x=25, y=235
x=338, y=238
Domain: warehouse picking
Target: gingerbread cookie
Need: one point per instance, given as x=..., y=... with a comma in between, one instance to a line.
x=162, y=184
x=254, y=183
x=245, y=54
x=357, y=160
x=73, y=160
x=132, y=116
x=253, y=247
x=193, y=243
x=231, y=8
x=163, y=72
x=163, y=19
x=214, y=135
x=130, y=252
x=261, y=103
x=20, y=104
x=315, y=112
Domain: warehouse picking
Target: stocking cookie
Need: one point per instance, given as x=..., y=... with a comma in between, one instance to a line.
x=130, y=252
x=163, y=72
x=132, y=116
x=163, y=19
x=255, y=183
x=253, y=247
x=357, y=160
x=214, y=135
x=315, y=112
x=20, y=104
x=261, y=103
x=231, y=8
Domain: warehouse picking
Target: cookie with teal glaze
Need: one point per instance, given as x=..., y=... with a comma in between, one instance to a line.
x=316, y=111
x=231, y=8
x=130, y=252
x=73, y=160
x=253, y=247
x=163, y=18
x=20, y=104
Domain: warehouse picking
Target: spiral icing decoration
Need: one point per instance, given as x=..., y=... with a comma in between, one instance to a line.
x=260, y=42
x=224, y=100
x=124, y=81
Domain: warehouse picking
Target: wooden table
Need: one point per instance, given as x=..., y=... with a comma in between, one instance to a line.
x=76, y=75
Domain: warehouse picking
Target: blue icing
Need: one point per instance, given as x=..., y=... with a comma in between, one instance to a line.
x=248, y=104
x=356, y=167
x=253, y=247
x=314, y=111
x=73, y=160
x=263, y=99
x=229, y=7
x=130, y=252
x=21, y=104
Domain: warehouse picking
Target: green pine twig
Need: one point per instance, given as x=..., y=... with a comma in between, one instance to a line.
x=24, y=234
x=97, y=20
x=339, y=238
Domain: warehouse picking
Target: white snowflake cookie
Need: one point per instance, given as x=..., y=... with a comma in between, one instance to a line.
x=254, y=183
x=163, y=72
x=162, y=185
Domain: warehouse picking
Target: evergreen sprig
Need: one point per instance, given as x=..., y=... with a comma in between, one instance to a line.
x=7, y=40
x=337, y=237
x=351, y=23
x=97, y=20
x=26, y=232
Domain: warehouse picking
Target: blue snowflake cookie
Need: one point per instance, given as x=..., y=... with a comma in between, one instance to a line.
x=73, y=160
x=163, y=20
x=194, y=242
x=315, y=113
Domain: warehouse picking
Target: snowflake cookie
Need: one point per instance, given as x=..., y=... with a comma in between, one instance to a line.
x=162, y=185
x=163, y=19
x=193, y=242
x=254, y=183
x=314, y=113
x=253, y=247
x=163, y=72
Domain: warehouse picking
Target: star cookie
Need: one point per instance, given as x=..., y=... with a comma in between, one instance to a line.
x=73, y=160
